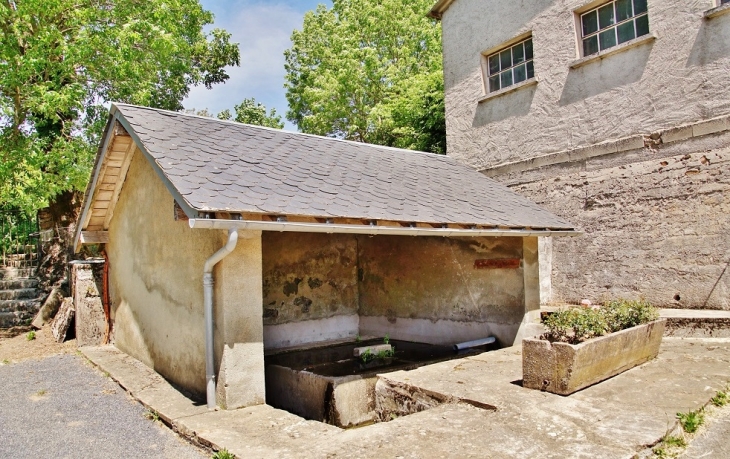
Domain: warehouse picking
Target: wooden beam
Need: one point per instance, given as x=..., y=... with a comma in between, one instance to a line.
x=120, y=181
x=95, y=237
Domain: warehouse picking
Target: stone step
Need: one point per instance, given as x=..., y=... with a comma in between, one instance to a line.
x=14, y=284
x=19, y=294
x=30, y=306
x=20, y=256
x=11, y=273
x=15, y=318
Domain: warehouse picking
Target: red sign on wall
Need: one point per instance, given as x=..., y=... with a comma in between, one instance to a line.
x=497, y=263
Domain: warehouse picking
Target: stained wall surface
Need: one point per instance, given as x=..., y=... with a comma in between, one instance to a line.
x=156, y=286
x=428, y=289
x=656, y=223
x=679, y=77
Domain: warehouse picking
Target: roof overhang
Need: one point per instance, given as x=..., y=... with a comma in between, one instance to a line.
x=438, y=10
x=372, y=230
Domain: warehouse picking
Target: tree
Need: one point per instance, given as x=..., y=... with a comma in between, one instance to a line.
x=251, y=112
x=370, y=71
x=61, y=61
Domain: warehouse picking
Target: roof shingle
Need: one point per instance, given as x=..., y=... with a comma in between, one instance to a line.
x=224, y=166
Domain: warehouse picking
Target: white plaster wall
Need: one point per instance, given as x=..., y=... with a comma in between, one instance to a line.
x=680, y=77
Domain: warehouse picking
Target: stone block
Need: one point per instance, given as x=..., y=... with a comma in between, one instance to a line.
x=91, y=325
x=563, y=368
x=62, y=322
x=49, y=309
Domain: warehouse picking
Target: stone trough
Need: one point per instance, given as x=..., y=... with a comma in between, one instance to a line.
x=329, y=384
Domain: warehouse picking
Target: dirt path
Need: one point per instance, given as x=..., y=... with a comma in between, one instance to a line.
x=16, y=347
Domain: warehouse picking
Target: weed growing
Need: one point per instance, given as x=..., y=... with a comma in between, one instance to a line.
x=369, y=356
x=691, y=420
x=6, y=362
x=670, y=446
x=223, y=454
x=721, y=399
x=41, y=392
x=152, y=415
x=30, y=336
x=386, y=340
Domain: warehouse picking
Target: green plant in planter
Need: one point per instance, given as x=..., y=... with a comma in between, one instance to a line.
x=369, y=356
x=575, y=325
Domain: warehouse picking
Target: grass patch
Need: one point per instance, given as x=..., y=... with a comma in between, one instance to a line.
x=670, y=446
x=30, y=336
x=223, y=454
x=721, y=399
x=691, y=420
x=6, y=362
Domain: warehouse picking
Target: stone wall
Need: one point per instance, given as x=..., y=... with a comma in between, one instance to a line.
x=679, y=77
x=656, y=220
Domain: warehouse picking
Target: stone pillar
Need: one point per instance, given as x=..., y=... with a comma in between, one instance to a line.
x=545, y=255
x=239, y=327
x=530, y=325
x=91, y=326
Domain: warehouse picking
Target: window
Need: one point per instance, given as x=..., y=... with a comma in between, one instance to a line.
x=510, y=66
x=612, y=24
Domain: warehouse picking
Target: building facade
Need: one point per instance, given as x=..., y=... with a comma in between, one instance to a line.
x=614, y=115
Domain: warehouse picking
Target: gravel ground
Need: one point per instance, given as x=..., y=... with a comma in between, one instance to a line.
x=61, y=407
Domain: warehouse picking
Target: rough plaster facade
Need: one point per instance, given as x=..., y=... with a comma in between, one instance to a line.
x=632, y=147
x=428, y=289
x=679, y=77
x=155, y=277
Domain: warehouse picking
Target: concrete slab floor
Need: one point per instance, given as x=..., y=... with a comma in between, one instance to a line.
x=616, y=418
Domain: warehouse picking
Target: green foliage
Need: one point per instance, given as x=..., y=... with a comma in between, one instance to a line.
x=152, y=415
x=369, y=356
x=721, y=399
x=369, y=71
x=622, y=314
x=6, y=361
x=30, y=336
x=674, y=441
x=62, y=60
x=386, y=339
x=251, y=112
x=223, y=454
x=692, y=420
x=575, y=325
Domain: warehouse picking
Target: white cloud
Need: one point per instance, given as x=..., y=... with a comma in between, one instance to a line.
x=263, y=32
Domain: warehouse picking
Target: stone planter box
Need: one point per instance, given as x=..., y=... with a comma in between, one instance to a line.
x=563, y=368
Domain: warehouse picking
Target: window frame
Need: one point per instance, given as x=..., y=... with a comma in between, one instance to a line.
x=487, y=93
x=596, y=5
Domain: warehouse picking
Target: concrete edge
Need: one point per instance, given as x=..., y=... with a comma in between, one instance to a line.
x=634, y=142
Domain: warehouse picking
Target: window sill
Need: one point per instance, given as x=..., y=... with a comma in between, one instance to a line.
x=522, y=84
x=616, y=49
x=719, y=11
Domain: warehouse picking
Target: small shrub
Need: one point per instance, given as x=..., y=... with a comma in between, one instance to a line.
x=721, y=398
x=386, y=340
x=575, y=325
x=30, y=336
x=692, y=420
x=223, y=454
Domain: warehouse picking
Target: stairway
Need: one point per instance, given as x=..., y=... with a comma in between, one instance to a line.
x=20, y=297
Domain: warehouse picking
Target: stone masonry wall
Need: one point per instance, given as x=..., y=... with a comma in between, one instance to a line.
x=656, y=222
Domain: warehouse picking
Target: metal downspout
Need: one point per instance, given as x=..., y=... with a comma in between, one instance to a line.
x=208, y=283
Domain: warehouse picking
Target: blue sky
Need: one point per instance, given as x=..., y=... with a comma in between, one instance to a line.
x=262, y=29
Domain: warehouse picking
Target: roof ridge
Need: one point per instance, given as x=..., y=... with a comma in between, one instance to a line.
x=442, y=157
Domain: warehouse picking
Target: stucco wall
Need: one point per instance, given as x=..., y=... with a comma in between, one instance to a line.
x=656, y=223
x=156, y=286
x=319, y=287
x=678, y=78
x=309, y=278
x=428, y=288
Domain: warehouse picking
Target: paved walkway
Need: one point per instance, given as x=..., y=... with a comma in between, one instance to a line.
x=61, y=407
x=617, y=418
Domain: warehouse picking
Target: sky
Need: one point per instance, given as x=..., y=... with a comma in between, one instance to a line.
x=263, y=29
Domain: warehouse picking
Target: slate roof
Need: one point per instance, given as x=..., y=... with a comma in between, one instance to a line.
x=224, y=166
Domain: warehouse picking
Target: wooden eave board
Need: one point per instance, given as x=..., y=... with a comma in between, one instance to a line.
x=113, y=172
